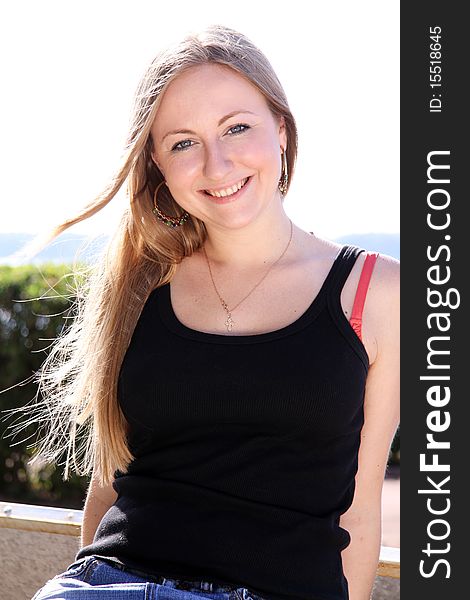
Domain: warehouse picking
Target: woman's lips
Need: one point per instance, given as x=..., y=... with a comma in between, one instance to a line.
x=231, y=198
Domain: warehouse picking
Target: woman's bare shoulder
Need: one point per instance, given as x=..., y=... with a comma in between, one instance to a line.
x=383, y=301
x=387, y=277
x=380, y=317
x=321, y=249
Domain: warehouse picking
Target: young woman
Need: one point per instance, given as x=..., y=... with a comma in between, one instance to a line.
x=230, y=380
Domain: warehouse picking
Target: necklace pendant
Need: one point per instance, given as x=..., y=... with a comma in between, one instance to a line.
x=229, y=323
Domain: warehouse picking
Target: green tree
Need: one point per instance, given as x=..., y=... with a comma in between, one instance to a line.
x=34, y=304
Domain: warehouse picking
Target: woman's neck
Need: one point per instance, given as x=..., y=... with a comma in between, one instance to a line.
x=257, y=245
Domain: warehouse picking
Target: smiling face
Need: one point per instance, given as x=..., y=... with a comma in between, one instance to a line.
x=213, y=129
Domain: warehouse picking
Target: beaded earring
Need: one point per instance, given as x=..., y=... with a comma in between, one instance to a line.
x=284, y=175
x=164, y=218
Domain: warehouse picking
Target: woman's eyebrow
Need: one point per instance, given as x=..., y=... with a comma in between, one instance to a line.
x=222, y=120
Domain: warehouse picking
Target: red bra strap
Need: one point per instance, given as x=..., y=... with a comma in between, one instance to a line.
x=361, y=292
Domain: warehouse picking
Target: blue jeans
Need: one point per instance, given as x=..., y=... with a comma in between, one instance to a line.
x=92, y=578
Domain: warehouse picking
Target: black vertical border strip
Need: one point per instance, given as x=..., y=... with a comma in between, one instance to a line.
x=423, y=132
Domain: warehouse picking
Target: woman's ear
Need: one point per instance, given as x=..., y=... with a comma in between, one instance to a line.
x=282, y=132
x=157, y=164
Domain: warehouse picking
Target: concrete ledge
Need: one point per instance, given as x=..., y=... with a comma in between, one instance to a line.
x=30, y=558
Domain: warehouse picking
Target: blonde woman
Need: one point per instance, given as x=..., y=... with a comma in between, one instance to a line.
x=230, y=381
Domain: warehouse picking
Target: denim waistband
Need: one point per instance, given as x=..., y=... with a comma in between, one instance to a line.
x=180, y=583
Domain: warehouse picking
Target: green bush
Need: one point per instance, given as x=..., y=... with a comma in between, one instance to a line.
x=34, y=301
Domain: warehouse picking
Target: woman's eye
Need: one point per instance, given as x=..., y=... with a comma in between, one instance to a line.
x=180, y=145
x=240, y=125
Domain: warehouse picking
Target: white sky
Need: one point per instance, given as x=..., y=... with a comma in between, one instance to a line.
x=70, y=69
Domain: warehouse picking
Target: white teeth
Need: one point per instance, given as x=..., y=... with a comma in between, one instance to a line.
x=228, y=191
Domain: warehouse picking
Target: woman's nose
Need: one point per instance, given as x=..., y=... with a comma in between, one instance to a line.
x=217, y=162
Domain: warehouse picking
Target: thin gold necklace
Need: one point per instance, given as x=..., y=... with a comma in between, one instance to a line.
x=229, y=323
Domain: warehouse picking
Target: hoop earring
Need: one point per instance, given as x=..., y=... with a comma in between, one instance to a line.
x=164, y=218
x=282, y=185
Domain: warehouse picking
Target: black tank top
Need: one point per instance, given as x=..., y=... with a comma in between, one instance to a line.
x=245, y=449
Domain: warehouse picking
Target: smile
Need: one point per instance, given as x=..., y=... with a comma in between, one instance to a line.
x=240, y=190
x=228, y=191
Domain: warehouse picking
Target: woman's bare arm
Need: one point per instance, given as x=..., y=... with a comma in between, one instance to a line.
x=381, y=418
x=98, y=501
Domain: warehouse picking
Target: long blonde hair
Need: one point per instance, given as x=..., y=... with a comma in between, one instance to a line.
x=79, y=413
